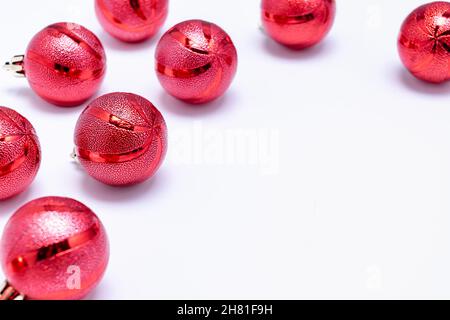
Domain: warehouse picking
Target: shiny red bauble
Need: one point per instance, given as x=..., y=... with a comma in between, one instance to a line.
x=65, y=64
x=196, y=61
x=133, y=20
x=298, y=24
x=20, y=153
x=121, y=139
x=54, y=248
x=424, y=42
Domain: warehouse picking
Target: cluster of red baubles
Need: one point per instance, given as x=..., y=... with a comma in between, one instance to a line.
x=121, y=138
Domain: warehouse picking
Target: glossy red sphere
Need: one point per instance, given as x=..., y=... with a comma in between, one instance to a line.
x=132, y=20
x=65, y=64
x=424, y=42
x=121, y=139
x=298, y=24
x=54, y=249
x=196, y=61
x=20, y=153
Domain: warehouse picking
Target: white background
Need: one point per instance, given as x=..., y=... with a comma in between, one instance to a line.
x=344, y=190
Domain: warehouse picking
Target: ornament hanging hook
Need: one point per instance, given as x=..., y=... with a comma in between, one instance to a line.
x=15, y=66
x=261, y=28
x=74, y=156
x=7, y=292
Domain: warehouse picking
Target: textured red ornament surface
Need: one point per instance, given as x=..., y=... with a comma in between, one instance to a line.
x=298, y=23
x=49, y=243
x=20, y=153
x=121, y=139
x=65, y=64
x=196, y=61
x=133, y=20
x=424, y=42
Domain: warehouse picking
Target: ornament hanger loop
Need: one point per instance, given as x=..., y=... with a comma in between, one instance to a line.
x=15, y=66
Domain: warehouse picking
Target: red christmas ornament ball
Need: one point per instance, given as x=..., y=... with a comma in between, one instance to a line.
x=134, y=20
x=54, y=249
x=298, y=24
x=20, y=153
x=424, y=42
x=121, y=139
x=196, y=61
x=65, y=64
